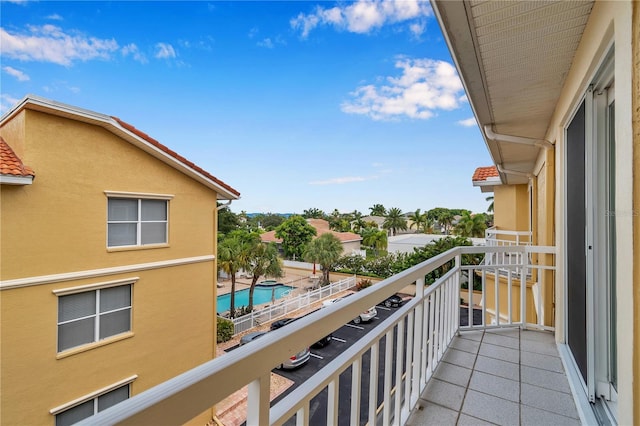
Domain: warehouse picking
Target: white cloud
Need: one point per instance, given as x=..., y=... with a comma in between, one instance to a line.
x=6, y=102
x=16, y=73
x=363, y=16
x=132, y=49
x=266, y=43
x=339, y=180
x=55, y=17
x=425, y=86
x=49, y=43
x=165, y=51
x=469, y=122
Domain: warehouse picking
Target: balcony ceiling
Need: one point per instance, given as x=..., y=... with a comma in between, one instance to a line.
x=513, y=58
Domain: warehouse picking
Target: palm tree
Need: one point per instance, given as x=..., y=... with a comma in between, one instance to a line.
x=471, y=226
x=324, y=250
x=394, y=221
x=490, y=208
x=231, y=259
x=375, y=239
x=378, y=210
x=420, y=220
x=262, y=260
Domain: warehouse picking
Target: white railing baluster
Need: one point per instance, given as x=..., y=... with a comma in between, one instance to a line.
x=417, y=343
x=373, y=382
x=388, y=371
x=399, y=372
x=302, y=415
x=355, y=391
x=408, y=393
x=258, y=401
x=333, y=402
x=432, y=320
x=509, y=299
x=424, y=365
x=496, y=290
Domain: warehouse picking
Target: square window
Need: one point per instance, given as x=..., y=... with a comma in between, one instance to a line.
x=136, y=222
x=93, y=315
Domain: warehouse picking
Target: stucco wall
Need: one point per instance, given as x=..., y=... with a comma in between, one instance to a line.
x=511, y=207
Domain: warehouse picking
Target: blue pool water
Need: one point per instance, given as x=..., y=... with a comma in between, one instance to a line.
x=261, y=294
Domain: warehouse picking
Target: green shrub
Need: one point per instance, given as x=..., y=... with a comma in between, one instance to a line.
x=225, y=330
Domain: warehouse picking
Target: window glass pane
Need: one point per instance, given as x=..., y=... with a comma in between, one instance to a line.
x=123, y=209
x=122, y=234
x=75, y=414
x=115, y=297
x=112, y=398
x=154, y=210
x=154, y=233
x=76, y=306
x=115, y=323
x=76, y=333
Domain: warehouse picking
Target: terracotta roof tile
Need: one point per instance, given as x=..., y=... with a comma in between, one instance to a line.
x=174, y=154
x=482, y=173
x=10, y=163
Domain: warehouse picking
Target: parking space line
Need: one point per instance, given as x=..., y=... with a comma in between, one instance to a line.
x=354, y=326
x=315, y=356
x=339, y=339
x=383, y=308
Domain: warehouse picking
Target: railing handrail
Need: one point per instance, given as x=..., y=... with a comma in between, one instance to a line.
x=185, y=396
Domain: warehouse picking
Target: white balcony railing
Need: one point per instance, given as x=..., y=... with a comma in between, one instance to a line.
x=406, y=348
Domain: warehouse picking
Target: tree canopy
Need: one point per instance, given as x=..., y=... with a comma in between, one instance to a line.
x=325, y=251
x=394, y=221
x=295, y=233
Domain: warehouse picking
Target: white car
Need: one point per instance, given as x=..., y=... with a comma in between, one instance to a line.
x=365, y=316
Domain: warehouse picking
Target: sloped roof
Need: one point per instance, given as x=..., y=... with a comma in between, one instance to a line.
x=321, y=226
x=483, y=173
x=130, y=134
x=11, y=166
x=486, y=178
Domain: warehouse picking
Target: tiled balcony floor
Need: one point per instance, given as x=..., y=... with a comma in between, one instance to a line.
x=500, y=376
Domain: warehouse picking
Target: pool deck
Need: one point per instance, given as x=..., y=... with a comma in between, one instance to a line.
x=292, y=277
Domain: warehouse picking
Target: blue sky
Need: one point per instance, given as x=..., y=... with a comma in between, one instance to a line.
x=294, y=104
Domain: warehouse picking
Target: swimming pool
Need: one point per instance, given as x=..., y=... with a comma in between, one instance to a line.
x=261, y=294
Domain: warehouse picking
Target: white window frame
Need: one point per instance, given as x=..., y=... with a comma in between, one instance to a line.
x=139, y=197
x=95, y=396
x=96, y=289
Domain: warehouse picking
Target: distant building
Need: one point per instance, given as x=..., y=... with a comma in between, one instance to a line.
x=350, y=241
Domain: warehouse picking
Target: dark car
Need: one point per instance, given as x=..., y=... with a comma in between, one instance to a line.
x=295, y=361
x=392, y=301
x=284, y=321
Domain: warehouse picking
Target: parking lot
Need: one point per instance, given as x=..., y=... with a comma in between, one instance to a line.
x=344, y=337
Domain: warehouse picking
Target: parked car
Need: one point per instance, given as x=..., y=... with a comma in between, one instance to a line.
x=295, y=361
x=392, y=301
x=284, y=321
x=365, y=316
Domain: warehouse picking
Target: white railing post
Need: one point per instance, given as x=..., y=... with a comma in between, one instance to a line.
x=355, y=392
x=523, y=290
x=373, y=382
x=417, y=342
x=388, y=360
x=258, y=401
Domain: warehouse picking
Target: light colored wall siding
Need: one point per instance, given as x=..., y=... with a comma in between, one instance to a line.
x=511, y=207
x=58, y=225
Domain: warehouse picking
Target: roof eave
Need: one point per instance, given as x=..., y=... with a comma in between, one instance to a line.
x=15, y=180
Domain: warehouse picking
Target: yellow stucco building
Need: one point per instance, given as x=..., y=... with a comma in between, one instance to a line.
x=107, y=263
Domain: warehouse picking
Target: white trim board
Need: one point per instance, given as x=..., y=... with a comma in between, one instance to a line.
x=93, y=273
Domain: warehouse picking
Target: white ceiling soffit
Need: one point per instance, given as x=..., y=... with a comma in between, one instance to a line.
x=513, y=57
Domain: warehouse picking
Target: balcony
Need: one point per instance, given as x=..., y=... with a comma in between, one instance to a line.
x=434, y=360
